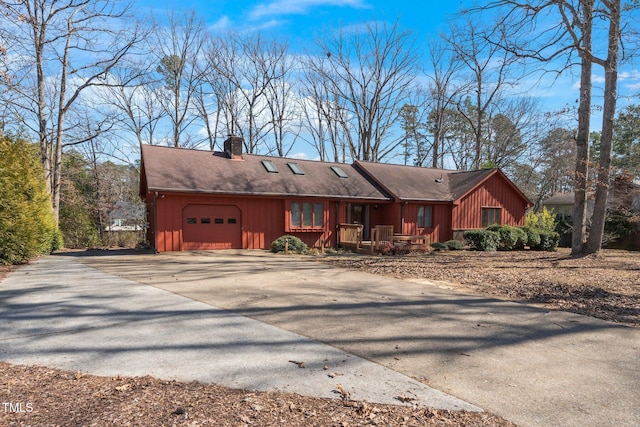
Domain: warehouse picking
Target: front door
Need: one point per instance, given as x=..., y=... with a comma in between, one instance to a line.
x=358, y=213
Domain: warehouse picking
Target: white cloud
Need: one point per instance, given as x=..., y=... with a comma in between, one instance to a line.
x=629, y=75
x=221, y=24
x=300, y=7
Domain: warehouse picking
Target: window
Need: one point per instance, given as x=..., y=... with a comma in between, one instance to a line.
x=295, y=214
x=318, y=215
x=425, y=214
x=564, y=213
x=339, y=172
x=295, y=168
x=232, y=221
x=192, y=220
x=490, y=216
x=307, y=215
x=205, y=220
x=269, y=166
x=218, y=221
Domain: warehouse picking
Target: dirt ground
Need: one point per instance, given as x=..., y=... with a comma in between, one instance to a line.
x=605, y=286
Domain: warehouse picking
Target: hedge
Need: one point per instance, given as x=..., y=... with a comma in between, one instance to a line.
x=27, y=224
x=482, y=240
x=510, y=237
x=548, y=241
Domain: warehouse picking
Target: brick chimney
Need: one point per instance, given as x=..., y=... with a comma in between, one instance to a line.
x=233, y=147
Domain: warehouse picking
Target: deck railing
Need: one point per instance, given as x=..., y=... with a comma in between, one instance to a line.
x=351, y=234
x=381, y=237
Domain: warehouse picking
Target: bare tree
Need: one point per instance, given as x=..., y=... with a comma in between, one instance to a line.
x=133, y=98
x=326, y=117
x=63, y=49
x=249, y=64
x=370, y=72
x=178, y=47
x=489, y=71
x=281, y=100
x=443, y=93
x=564, y=30
x=610, y=64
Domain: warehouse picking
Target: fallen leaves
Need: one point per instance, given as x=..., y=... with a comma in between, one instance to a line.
x=606, y=286
x=62, y=398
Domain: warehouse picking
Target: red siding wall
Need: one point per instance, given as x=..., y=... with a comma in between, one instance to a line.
x=494, y=192
x=263, y=220
x=440, y=220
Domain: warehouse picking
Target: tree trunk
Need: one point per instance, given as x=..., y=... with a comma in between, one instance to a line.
x=582, y=139
x=594, y=243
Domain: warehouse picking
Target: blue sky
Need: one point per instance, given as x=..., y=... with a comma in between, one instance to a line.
x=300, y=20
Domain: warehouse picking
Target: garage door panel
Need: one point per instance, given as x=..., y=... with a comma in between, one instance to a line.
x=212, y=227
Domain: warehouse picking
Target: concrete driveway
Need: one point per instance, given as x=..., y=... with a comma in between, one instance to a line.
x=531, y=366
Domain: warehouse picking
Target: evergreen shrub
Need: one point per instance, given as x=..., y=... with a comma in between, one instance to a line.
x=27, y=224
x=295, y=244
x=548, y=241
x=454, y=245
x=510, y=237
x=482, y=240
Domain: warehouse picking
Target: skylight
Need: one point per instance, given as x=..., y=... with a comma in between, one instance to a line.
x=295, y=168
x=269, y=166
x=339, y=172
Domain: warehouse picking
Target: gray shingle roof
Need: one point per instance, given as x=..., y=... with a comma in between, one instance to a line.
x=198, y=171
x=184, y=170
x=412, y=183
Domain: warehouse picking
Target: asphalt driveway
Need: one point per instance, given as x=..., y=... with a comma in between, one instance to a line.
x=529, y=365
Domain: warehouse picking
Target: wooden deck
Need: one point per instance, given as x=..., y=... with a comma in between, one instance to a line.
x=383, y=240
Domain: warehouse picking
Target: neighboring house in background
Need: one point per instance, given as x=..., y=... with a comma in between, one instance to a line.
x=126, y=216
x=562, y=205
x=624, y=195
x=217, y=200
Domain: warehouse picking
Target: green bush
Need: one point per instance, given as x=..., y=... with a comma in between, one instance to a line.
x=510, y=237
x=541, y=221
x=27, y=224
x=482, y=240
x=295, y=244
x=454, y=245
x=532, y=238
x=437, y=246
x=548, y=241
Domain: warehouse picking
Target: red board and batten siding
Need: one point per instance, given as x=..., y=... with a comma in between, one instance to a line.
x=261, y=221
x=494, y=192
x=440, y=220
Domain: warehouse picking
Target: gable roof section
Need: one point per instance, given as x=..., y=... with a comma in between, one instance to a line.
x=413, y=183
x=464, y=182
x=461, y=183
x=196, y=171
x=409, y=183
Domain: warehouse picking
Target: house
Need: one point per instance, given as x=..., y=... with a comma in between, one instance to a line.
x=624, y=196
x=125, y=216
x=221, y=200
